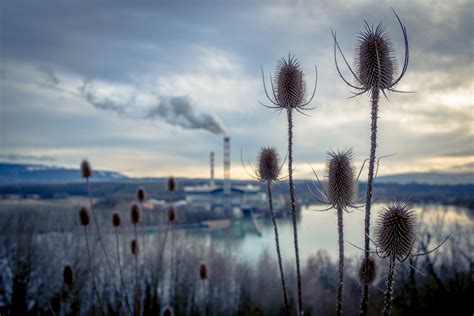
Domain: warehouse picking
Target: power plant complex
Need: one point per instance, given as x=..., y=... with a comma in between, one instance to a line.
x=225, y=195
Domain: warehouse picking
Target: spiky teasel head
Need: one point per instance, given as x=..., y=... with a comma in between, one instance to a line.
x=135, y=213
x=86, y=169
x=341, y=180
x=203, y=271
x=84, y=217
x=116, y=219
x=68, y=276
x=167, y=311
x=134, y=247
x=395, y=231
x=171, y=214
x=375, y=61
x=141, y=194
x=290, y=84
x=268, y=168
x=368, y=266
x=171, y=184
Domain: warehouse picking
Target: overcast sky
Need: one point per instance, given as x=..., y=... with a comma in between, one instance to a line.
x=148, y=90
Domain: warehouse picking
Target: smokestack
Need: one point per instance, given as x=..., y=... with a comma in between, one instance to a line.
x=226, y=165
x=211, y=158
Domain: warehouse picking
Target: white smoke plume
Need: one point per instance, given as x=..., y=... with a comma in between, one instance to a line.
x=174, y=110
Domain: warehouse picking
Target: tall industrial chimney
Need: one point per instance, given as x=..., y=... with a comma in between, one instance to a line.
x=226, y=165
x=211, y=158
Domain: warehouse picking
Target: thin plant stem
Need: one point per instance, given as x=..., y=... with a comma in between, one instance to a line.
x=137, y=290
x=204, y=298
x=171, y=288
x=340, y=277
x=293, y=207
x=122, y=282
x=162, y=251
x=389, y=290
x=94, y=217
x=94, y=284
x=277, y=244
x=368, y=200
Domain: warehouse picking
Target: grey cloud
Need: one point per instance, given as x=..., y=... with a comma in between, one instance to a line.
x=50, y=75
x=19, y=157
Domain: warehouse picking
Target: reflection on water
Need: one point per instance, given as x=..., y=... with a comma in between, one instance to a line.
x=317, y=230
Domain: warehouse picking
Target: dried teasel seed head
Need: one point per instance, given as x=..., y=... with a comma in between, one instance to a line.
x=290, y=84
x=203, y=271
x=141, y=194
x=375, y=61
x=84, y=217
x=86, y=169
x=168, y=311
x=116, y=219
x=68, y=276
x=395, y=231
x=341, y=180
x=135, y=213
x=268, y=168
x=134, y=247
x=370, y=267
x=171, y=214
x=171, y=184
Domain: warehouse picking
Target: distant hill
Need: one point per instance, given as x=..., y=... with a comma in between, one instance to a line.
x=428, y=178
x=31, y=173
x=11, y=173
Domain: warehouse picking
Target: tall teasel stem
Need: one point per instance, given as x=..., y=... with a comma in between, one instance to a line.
x=370, y=185
x=375, y=73
x=293, y=207
x=289, y=93
x=116, y=223
x=94, y=283
x=340, y=194
x=86, y=172
x=277, y=245
x=84, y=219
x=135, y=219
x=388, y=292
x=340, y=277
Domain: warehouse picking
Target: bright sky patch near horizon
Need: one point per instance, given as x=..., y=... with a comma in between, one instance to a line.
x=149, y=90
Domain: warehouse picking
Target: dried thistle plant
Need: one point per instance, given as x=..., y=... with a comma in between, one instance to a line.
x=203, y=277
x=171, y=184
x=86, y=169
x=141, y=194
x=203, y=271
x=339, y=194
x=375, y=73
x=116, y=222
x=84, y=219
x=341, y=189
x=86, y=172
x=268, y=170
x=167, y=311
x=289, y=93
x=135, y=215
x=68, y=276
x=395, y=236
x=368, y=270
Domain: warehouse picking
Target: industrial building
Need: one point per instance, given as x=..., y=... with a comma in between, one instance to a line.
x=224, y=195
